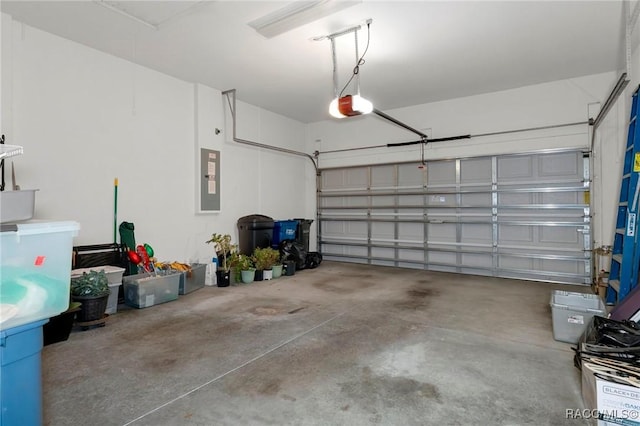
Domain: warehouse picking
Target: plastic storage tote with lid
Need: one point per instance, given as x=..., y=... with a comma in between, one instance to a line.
x=35, y=259
x=572, y=312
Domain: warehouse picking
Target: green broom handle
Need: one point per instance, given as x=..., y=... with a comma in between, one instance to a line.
x=115, y=210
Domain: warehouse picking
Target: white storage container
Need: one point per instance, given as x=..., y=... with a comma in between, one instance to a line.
x=114, y=276
x=572, y=312
x=35, y=261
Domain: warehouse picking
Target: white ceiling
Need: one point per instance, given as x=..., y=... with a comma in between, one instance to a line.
x=420, y=51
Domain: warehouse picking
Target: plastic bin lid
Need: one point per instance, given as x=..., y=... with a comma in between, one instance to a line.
x=36, y=228
x=255, y=218
x=304, y=221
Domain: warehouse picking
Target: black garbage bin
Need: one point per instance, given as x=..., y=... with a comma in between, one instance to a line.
x=302, y=232
x=254, y=231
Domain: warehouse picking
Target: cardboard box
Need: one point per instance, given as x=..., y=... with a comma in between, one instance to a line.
x=146, y=290
x=609, y=397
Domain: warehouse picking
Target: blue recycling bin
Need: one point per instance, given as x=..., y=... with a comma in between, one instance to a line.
x=21, y=375
x=283, y=230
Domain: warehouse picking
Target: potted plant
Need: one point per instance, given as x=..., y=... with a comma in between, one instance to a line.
x=234, y=270
x=245, y=266
x=91, y=289
x=224, y=249
x=277, y=267
x=264, y=259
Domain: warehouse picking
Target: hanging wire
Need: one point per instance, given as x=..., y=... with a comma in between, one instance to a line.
x=359, y=62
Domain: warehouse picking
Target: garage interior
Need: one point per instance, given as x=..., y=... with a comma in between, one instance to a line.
x=485, y=177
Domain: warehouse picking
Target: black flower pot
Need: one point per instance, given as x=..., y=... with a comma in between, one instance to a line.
x=92, y=307
x=223, y=278
x=289, y=267
x=59, y=327
x=259, y=275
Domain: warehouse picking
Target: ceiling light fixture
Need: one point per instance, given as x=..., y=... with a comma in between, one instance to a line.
x=297, y=14
x=349, y=105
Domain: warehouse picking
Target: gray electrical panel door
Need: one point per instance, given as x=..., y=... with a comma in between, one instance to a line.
x=515, y=216
x=209, y=180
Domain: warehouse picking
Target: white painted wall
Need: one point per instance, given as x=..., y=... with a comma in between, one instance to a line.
x=609, y=146
x=85, y=118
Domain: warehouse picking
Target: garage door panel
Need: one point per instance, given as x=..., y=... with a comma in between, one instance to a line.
x=562, y=198
x=443, y=258
x=515, y=198
x=381, y=201
x=476, y=199
x=441, y=200
x=382, y=230
x=411, y=232
x=441, y=173
x=410, y=176
x=559, y=266
x=509, y=216
x=514, y=169
x=482, y=261
x=356, y=178
x=475, y=171
x=559, y=165
x=442, y=232
x=477, y=233
x=415, y=255
x=515, y=234
x=410, y=200
x=383, y=176
x=560, y=236
x=334, y=228
x=383, y=252
x=356, y=202
x=333, y=179
x=508, y=262
x=333, y=202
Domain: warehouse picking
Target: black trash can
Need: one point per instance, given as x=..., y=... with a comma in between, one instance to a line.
x=302, y=232
x=254, y=231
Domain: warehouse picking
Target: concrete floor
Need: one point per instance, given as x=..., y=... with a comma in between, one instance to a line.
x=341, y=344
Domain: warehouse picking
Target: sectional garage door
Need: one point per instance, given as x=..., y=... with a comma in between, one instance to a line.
x=516, y=216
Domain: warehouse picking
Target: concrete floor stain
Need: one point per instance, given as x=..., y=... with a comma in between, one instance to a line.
x=372, y=391
x=417, y=298
x=338, y=286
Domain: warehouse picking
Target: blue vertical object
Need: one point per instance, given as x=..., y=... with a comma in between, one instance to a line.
x=20, y=375
x=625, y=257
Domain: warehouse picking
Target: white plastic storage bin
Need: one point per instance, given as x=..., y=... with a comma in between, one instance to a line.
x=35, y=260
x=114, y=276
x=572, y=312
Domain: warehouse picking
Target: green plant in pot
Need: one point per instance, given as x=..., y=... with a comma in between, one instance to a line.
x=224, y=250
x=234, y=269
x=91, y=289
x=264, y=259
x=245, y=266
x=277, y=267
